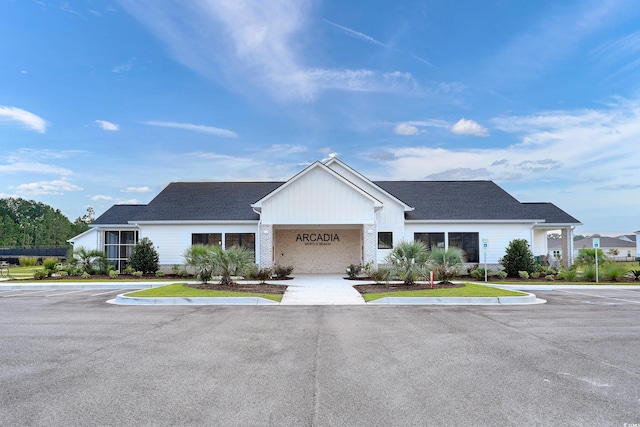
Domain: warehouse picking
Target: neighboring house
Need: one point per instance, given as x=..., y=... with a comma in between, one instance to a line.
x=620, y=248
x=327, y=217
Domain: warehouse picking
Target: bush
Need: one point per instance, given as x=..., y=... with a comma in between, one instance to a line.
x=138, y=273
x=613, y=272
x=535, y=275
x=39, y=274
x=354, y=270
x=50, y=263
x=282, y=272
x=159, y=273
x=550, y=278
x=636, y=274
x=446, y=263
x=407, y=260
x=144, y=256
x=589, y=273
x=28, y=261
x=587, y=257
x=518, y=257
x=85, y=275
x=478, y=273
x=501, y=274
x=523, y=274
x=264, y=274
x=568, y=275
x=129, y=270
x=381, y=275
x=113, y=274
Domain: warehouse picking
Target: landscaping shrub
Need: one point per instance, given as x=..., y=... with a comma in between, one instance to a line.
x=89, y=261
x=39, y=274
x=354, y=270
x=159, y=273
x=501, y=274
x=138, y=273
x=550, y=278
x=28, y=261
x=446, y=263
x=518, y=257
x=144, y=256
x=381, y=275
x=85, y=275
x=113, y=274
x=406, y=261
x=613, y=272
x=587, y=256
x=636, y=274
x=569, y=274
x=589, y=273
x=50, y=263
x=478, y=273
x=523, y=274
x=282, y=272
x=264, y=274
x=535, y=275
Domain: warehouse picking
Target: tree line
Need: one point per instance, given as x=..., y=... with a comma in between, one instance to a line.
x=26, y=224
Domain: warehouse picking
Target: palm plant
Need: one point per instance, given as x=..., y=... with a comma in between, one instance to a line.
x=208, y=261
x=89, y=260
x=407, y=260
x=446, y=262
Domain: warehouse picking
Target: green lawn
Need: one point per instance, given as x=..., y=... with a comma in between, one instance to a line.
x=22, y=272
x=179, y=290
x=469, y=290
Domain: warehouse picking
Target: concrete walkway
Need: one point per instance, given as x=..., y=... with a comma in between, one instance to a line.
x=321, y=289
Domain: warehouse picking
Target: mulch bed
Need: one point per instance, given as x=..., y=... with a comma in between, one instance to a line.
x=259, y=288
x=373, y=288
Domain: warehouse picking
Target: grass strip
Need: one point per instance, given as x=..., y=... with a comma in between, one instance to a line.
x=469, y=290
x=179, y=290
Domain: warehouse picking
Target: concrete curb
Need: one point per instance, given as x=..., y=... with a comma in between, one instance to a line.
x=125, y=300
x=524, y=300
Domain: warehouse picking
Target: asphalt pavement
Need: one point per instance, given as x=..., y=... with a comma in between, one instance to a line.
x=73, y=360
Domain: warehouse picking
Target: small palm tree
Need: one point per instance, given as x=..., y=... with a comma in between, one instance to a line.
x=446, y=263
x=89, y=260
x=208, y=261
x=200, y=258
x=407, y=260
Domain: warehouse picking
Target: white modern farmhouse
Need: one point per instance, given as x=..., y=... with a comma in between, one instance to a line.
x=327, y=217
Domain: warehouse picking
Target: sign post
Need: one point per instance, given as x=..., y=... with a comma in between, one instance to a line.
x=596, y=246
x=485, y=246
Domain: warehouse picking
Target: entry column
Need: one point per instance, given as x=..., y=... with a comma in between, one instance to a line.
x=370, y=244
x=266, y=245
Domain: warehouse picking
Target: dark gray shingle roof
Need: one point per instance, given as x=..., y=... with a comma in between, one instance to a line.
x=119, y=214
x=432, y=200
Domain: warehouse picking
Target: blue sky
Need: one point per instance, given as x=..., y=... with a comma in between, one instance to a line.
x=105, y=102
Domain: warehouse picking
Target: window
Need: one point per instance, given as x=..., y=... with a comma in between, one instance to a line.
x=385, y=240
x=211, y=239
x=243, y=240
x=431, y=240
x=118, y=245
x=468, y=242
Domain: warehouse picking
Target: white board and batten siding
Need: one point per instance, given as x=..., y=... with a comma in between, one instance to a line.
x=498, y=236
x=318, y=198
x=172, y=241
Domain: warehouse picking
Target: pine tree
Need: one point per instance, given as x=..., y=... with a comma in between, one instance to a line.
x=518, y=257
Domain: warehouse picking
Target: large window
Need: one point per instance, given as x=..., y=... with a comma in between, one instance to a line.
x=210, y=239
x=243, y=240
x=431, y=240
x=468, y=242
x=118, y=245
x=385, y=240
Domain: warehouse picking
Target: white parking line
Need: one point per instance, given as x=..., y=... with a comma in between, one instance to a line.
x=25, y=293
x=598, y=296
x=112, y=291
x=65, y=293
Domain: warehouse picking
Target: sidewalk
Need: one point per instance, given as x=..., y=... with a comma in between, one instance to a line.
x=321, y=289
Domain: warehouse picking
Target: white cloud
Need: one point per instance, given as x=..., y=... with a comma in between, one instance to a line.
x=196, y=128
x=57, y=187
x=469, y=127
x=27, y=119
x=405, y=129
x=101, y=198
x=105, y=125
x=249, y=44
x=34, y=167
x=136, y=190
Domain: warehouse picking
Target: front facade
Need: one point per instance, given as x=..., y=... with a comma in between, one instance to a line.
x=327, y=217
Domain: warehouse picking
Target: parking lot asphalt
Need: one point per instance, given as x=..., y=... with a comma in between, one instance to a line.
x=69, y=358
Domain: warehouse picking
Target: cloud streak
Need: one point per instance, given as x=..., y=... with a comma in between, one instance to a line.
x=194, y=128
x=105, y=125
x=25, y=118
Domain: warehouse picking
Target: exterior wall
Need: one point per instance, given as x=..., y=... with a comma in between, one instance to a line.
x=313, y=255
x=171, y=240
x=540, y=244
x=370, y=244
x=89, y=240
x=499, y=235
x=317, y=198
